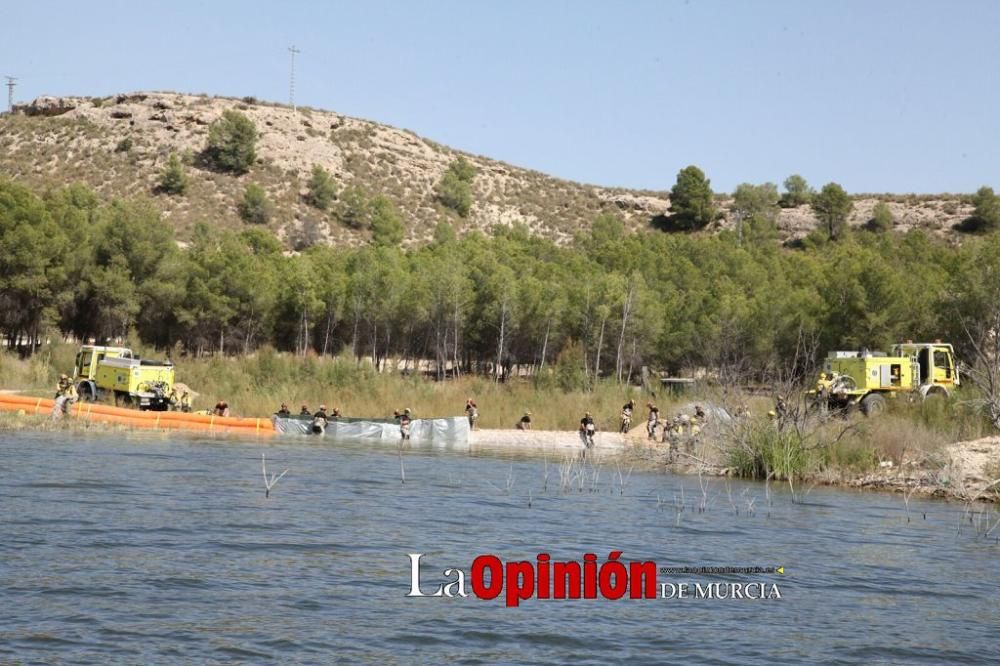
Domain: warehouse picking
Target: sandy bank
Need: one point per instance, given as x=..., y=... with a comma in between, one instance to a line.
x=966, y=471
x=555, y=442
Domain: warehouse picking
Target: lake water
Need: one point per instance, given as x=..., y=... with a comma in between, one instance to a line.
x=152, y=550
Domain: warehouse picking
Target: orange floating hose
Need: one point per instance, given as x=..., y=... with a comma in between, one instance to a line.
x=94, y=412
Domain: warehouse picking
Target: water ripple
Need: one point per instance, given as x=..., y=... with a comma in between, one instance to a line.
x=165, y=551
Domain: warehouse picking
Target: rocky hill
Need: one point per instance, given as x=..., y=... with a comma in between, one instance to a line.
x=119, y=145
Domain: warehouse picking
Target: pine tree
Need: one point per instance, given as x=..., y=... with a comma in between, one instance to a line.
x=173, y=180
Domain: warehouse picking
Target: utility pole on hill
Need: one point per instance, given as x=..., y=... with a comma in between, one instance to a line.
x=291, y=79
x=10, y=93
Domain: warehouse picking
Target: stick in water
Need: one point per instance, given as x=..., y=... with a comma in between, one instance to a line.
x=273, y=481
x=402, y=472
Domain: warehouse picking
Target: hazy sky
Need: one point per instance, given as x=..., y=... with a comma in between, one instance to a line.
x=879, y=96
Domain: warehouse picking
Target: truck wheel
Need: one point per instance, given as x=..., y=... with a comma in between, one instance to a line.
x=873, y=404
x=934, y=392
x=86, y=395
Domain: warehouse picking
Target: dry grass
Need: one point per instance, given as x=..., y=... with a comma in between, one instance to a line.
x=898, y=438
x=38, y=373
x=841, y=447
x=258, y=384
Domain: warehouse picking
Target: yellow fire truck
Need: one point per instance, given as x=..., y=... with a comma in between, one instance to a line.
x=866, y=379
x=114, y=372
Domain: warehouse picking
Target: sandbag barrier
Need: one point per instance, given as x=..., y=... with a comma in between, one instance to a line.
x=96, y=412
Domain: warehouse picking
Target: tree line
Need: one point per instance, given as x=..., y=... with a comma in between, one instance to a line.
x=606, y=304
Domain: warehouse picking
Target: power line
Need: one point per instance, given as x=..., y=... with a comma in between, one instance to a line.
x=10, y=92
x=291, y=78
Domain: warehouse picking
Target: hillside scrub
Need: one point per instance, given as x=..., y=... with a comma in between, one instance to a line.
x=92, y=143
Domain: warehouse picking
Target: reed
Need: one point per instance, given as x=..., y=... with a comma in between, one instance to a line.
x=760, y=450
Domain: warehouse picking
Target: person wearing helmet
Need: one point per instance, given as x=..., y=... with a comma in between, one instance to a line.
x=587, y=430
x=652, y=420
x=304, y=411
x=283, y=411
x=319, y=421
x=472, y=412
x=626, y=418
x=65, y=397
x=63, y=386
x=824, y=387
x=405, y=420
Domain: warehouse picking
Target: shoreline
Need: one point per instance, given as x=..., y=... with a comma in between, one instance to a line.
x=958, y=475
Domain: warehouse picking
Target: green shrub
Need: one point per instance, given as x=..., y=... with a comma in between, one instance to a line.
x=387, y=224
x=882, y=218
x=173, y=180
x=255, y=208
x=797, y=192
x=455, y=189
x=832, y=206
x=322, y=191
x=232, y=141
x=354, y=210
x=765, y=451
x=691, y=200
x=986, y=214
x=444, y=233
x=570, y=374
